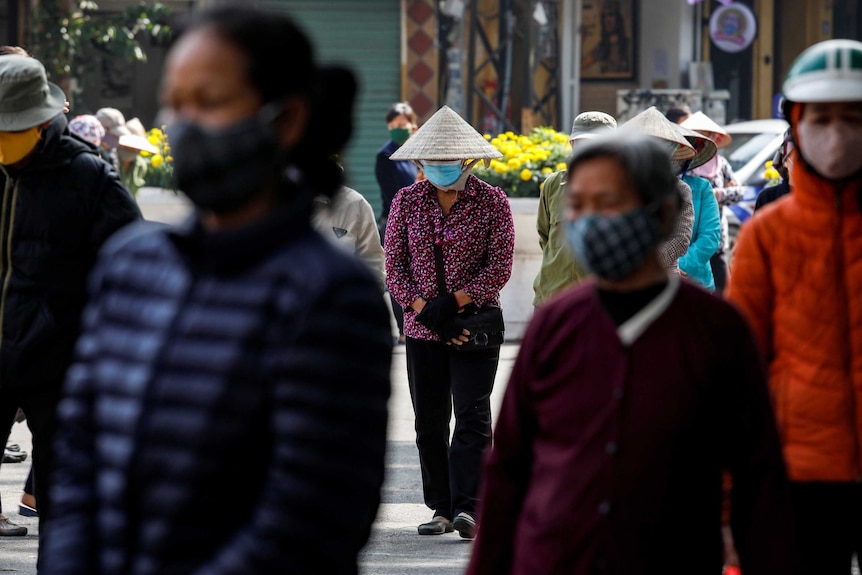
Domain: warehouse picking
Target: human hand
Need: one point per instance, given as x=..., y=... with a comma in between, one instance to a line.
x=459, y=339
x=453, y=335
x=437, y=312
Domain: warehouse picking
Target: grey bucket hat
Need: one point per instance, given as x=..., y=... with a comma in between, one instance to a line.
x=591, y=125
x=27, y=98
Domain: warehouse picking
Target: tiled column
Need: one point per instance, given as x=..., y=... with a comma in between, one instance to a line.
x=422, y=58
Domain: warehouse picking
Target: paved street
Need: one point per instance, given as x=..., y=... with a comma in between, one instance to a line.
x=394, y=549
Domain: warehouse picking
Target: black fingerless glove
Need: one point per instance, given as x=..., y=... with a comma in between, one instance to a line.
x=437, y=312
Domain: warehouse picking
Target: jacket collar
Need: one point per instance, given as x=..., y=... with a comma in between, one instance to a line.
x=635, y=326
x=226, y=252
x=817, y=193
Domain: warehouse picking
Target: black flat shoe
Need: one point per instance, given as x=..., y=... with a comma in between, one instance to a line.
x=437, y=526
x=465, y=525
x=14, y=456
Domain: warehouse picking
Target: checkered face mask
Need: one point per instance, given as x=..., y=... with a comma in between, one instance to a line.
x=614, y=247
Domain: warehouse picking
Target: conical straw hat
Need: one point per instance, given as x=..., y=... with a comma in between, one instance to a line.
x=446, y=136
x=651, y=122
x=705, y=147
x=700, y=122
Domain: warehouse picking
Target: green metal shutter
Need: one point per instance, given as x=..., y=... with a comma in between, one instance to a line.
x=366, y=36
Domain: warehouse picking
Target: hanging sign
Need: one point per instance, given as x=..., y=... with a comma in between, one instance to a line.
x=732, y=27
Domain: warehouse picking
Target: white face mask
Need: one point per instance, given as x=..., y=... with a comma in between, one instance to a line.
x=832, y=149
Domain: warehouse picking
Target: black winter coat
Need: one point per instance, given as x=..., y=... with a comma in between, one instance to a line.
x=254, y=361
x=56, y=213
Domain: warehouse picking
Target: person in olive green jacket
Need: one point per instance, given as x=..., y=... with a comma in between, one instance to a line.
x=559, y=268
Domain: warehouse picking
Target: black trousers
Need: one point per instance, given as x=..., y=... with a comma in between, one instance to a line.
x=719, y=271
x=828, y=525
x=41, y=411
x=441, y=378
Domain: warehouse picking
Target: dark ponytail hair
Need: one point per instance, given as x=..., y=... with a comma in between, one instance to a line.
x=280, y=60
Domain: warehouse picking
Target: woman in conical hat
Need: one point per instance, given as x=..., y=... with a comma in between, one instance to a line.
x=449, y=246
x=652, y=123
x=706, y=230
x=724, y=186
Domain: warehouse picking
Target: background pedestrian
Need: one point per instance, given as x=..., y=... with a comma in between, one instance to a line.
x=449, y=243
x=392, y=175
x=63, y=203
x=559, y=269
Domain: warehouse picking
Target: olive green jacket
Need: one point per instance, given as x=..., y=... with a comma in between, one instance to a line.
x=559, y=268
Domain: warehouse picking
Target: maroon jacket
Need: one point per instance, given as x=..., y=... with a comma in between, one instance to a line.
x=608, y=456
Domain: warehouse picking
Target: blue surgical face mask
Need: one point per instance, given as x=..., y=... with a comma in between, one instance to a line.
x=442, y=174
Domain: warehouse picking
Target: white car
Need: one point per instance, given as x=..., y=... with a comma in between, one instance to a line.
x=754, y=143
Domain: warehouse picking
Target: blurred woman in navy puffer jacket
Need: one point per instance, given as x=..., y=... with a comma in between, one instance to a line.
x=239, y=332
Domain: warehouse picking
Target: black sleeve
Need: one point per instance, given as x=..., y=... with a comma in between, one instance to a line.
x=384, y=169
x=114, y=207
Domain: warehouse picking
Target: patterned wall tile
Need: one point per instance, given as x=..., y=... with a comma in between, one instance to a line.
x=422, y=57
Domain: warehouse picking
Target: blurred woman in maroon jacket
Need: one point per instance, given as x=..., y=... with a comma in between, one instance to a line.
x=630, y=395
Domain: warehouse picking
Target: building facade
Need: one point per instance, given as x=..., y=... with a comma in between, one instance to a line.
x=510, y=64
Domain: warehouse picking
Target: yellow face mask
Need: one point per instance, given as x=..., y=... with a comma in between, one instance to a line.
x=15, y=146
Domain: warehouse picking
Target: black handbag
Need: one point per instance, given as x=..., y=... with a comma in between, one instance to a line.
x=485, y=323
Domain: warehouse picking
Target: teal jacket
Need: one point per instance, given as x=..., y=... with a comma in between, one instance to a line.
x=705, y=233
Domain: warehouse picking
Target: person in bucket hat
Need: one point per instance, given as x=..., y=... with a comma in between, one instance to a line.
x=61, y=203
x=797, y=276
x=559, y=269
x=88, y=128
x=449, y=247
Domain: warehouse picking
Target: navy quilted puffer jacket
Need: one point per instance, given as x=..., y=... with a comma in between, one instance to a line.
x=253, y=361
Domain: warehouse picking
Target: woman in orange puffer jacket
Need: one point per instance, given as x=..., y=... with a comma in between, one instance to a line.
x=797, y=276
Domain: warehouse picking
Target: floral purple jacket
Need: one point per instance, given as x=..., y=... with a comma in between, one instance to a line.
x=477, y=239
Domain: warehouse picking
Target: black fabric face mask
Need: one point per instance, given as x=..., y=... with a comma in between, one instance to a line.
x=223, y=169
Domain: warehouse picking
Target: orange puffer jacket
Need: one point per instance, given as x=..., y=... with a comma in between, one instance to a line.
x=797, y=276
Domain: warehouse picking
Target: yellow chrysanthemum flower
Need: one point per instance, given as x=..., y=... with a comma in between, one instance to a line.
x=771, y=174
x=157, y=160
x=560, y=166
x=526, y=174
x=546, y=171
